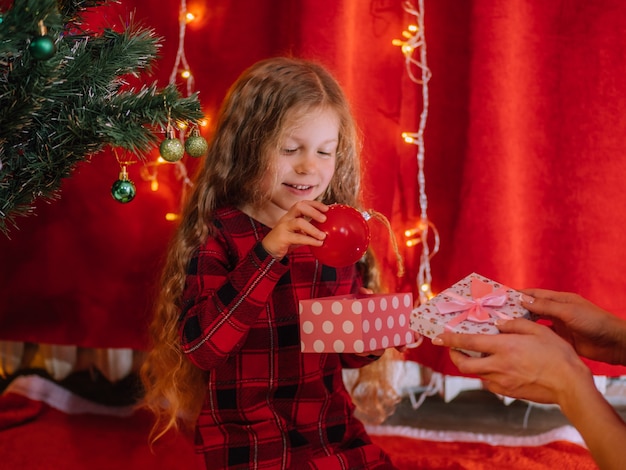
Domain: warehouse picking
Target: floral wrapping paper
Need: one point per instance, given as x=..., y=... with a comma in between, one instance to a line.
x=472, y=305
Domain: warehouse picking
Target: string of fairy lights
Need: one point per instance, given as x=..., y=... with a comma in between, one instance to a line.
x=179, y=138
x=181, y=66
x=413, y=47
x=172, y=148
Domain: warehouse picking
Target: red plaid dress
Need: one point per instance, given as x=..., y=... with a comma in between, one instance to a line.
x=267, y=405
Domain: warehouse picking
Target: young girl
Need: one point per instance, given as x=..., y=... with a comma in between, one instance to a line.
x=226, y=351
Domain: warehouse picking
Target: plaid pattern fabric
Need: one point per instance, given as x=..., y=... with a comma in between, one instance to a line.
x=267, y=405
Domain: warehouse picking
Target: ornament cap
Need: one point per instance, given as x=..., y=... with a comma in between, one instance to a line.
x=123, y=174
x=43, y=30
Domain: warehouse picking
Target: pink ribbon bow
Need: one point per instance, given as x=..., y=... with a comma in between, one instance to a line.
x=478, y=308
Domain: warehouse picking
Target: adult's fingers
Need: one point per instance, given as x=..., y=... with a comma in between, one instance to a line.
x=472, y=342
x=520, y=326
x=550, y=303
x=562, y=297
x=491, y=343
x=471, y=365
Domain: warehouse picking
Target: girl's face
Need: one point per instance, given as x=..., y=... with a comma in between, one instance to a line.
x=304, y=165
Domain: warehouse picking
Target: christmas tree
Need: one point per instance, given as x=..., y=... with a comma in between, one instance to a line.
x=65, y=96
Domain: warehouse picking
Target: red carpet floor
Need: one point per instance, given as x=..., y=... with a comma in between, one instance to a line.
x=43, y=427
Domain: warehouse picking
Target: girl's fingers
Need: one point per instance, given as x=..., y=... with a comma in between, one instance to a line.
x=300, y=226
x=299, y=239
x=311, y=209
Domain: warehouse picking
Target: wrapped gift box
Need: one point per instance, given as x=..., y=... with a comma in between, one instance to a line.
x=355, y=323
x=472, y=305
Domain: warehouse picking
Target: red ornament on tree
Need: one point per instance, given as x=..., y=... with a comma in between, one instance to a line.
x=347, y=236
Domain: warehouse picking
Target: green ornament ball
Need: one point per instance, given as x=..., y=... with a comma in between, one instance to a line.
x=123, y=191
x=42, y=47
x=171, y=150
x=196, y=146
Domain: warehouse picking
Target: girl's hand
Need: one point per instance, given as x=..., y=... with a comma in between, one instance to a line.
x=295, y=229
x=592, y=331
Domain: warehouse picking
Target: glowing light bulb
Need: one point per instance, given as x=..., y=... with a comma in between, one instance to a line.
x=418, y=229
x=154, y=185
x=413, y=241
x=189, y=17
x=185, y=74
x=412, y=232
x=171, y=216
x=397, y=42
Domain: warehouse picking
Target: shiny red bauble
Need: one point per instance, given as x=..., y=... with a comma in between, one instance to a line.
x=347, y=236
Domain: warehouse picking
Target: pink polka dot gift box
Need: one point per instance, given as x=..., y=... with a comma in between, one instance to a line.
x=472, y=305
x=355, y=323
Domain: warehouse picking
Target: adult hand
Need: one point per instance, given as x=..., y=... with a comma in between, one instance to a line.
x=527, y=361
x=592, y=331
x=295, y=229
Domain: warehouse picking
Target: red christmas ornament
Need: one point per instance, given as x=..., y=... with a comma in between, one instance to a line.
x=347, y=236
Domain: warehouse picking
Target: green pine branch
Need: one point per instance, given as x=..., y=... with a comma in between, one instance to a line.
x=58, y=112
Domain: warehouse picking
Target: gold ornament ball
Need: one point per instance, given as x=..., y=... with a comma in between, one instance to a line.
x=196, y=146
x=171, y=150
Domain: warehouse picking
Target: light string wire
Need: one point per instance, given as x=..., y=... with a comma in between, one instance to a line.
x=149, y=172
x=181, y=169
x=416, y=40
x=180, y=53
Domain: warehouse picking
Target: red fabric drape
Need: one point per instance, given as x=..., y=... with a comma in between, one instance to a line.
x=523, y=163
x=541, y=180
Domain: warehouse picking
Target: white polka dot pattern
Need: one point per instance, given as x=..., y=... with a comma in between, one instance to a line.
x=357, y=323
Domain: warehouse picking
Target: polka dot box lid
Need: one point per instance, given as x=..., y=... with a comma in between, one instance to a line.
x=472, y=305
x=355, y=323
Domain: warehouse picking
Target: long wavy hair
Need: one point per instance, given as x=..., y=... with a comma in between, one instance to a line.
x=257, y=109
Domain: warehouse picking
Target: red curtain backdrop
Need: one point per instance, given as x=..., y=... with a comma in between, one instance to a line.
x=524, y=164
